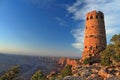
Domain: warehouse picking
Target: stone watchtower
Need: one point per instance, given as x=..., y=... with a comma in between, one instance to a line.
x=94, y=35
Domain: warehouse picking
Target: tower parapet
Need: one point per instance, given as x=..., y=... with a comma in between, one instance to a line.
x=95, y=34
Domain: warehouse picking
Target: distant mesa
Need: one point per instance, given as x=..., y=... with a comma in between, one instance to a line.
x=95, y=35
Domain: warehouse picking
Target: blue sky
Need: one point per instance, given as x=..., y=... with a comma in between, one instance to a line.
x=50, y=27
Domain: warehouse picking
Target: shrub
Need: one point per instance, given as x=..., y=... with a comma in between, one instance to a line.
x=111, y=55
x=67, y=71
x=105, y=61
x=53, y=78
x=38, y=76
x=11, y=74
x=86, y=61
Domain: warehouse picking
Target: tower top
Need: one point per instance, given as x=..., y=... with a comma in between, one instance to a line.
x=94, y=13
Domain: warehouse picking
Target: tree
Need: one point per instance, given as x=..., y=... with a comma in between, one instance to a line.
x=86, y=61
x=53, y=78
x=11, y=74
x=116, y=42
x=38, y=76
x=111, y=54
x=67, y=71
x=105, y=60
x=115, y=38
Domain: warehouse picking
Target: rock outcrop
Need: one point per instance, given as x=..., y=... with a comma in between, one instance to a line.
x=95, y=72
x=67, y=61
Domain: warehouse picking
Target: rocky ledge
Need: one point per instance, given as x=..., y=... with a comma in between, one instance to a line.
x=95, y=72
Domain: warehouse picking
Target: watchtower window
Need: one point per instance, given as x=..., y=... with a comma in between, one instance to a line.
x=96, y=36
x=85, y=46
x=86, y=36
x=101, y=17
x=96, y=16
x=91, y=47
x=103, y=48
x=91, y=17
x=86, y=27
x=87, y=18
x=92, y=26
x=97, y=47
x=91, y=35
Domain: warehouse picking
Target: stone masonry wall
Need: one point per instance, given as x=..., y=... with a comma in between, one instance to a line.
x=95, y=35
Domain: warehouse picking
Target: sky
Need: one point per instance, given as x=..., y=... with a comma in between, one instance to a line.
x=51, y=27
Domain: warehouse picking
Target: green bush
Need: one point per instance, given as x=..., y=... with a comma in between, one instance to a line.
x=11, y=74
x=67, y=71
x=116, y=58
x=53, y=78
x=105, y=61
x=111, y=54
x=86, y=61
x=38, y=76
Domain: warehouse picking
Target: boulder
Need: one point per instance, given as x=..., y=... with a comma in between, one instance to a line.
x=94, y=70
x=94, y=75
x=86, y=73
x=117, y=74
x=73, y=78
x=102, y=73
x=113, y=78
